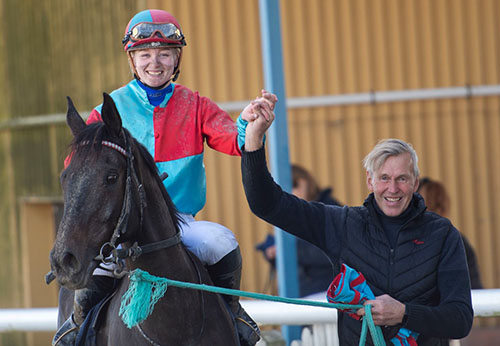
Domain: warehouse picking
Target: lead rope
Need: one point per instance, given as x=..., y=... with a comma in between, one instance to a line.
x=153, y=278
x=368, y=324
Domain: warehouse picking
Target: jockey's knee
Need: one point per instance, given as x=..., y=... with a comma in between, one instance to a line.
x=211, y=251
x=209, y=241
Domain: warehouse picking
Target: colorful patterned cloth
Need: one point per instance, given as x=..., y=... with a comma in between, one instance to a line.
x=349, y=287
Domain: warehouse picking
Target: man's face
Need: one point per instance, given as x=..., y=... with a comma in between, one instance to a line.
x=393, y=184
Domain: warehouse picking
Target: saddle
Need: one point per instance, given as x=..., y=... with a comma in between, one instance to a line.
x=87, y=334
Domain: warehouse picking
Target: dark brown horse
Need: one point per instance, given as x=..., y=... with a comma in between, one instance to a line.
x=113, y=195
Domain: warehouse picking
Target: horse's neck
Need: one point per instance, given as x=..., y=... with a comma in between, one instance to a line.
x=157, y=225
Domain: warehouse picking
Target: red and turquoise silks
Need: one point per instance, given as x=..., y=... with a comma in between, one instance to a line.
x=349, y=287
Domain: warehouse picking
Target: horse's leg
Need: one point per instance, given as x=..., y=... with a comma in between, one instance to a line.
x=66, y=298
x=75, y=305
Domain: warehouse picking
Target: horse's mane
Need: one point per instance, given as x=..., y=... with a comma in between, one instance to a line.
x=91, y=138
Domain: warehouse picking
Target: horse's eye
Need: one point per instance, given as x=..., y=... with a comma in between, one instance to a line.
x=111, y=178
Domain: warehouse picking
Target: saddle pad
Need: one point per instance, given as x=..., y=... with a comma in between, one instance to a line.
x=87, y=332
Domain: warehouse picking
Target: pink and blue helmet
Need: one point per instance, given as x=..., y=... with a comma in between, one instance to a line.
x=153, y=29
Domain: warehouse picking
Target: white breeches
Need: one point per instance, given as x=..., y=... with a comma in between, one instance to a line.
x=209, y=241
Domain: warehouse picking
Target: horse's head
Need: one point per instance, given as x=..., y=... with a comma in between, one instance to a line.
x=99, y=204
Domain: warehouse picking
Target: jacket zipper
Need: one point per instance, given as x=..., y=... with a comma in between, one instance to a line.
x=391, y=271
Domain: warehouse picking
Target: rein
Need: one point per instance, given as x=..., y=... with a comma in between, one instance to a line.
x=135, y=250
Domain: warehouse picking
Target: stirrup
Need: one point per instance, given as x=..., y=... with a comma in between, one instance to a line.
x=66, y=334
x=248, y=330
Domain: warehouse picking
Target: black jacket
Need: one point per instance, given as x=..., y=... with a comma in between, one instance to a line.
x=315, y=270
x=426, y=270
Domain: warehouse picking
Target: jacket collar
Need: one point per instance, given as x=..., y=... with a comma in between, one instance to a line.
x=417, y=205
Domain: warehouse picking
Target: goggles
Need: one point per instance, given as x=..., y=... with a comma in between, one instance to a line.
x=141, y=31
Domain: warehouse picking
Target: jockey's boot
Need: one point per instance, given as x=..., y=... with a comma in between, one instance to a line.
x=227, y=274
x=85, y=299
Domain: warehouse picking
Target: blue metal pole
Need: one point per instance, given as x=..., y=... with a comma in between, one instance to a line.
x=272, y=55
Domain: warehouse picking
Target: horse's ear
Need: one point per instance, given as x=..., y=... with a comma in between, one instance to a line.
x=74, y=120
x=110, y=115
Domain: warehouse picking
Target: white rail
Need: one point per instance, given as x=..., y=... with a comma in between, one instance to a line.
x=486, y=303
x=28, y=320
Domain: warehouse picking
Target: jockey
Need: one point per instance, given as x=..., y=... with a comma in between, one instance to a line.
x=173, y=123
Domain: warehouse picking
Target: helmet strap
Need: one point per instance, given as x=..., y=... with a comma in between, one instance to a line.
x=176, y=75
x=131, y=64
x=177, y=69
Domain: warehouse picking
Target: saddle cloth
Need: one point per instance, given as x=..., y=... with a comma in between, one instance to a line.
x=88, y=330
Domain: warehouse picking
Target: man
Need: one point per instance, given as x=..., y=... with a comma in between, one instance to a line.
x=413, y=260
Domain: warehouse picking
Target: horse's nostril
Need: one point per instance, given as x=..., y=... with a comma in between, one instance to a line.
x=69, y=261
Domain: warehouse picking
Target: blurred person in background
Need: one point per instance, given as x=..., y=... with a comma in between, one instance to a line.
x=174, y=123
x=437, y=200
x=315, y=271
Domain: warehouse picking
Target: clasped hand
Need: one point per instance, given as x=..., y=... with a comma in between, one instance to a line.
x=386, y=311
x=260, y=115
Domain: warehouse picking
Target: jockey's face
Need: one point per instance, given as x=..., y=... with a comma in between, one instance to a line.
x=154, y=66
x=393, y=184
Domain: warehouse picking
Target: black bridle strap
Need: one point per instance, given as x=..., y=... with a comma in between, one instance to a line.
x=121, y=225
x=135, y=250
x=125, y=212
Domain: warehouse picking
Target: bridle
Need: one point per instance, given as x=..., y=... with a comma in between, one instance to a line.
x=118, y=254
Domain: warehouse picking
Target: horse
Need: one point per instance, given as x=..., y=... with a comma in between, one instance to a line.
x=114, y=195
